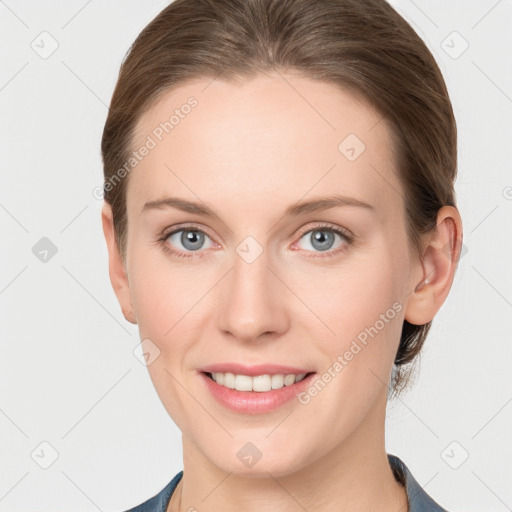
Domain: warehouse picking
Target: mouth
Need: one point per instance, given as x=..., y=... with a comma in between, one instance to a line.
x=256, y=394
x=257, y=383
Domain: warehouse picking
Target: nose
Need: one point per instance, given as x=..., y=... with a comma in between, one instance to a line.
x=252, y=300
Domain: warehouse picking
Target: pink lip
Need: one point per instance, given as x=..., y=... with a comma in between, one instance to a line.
x=251, y=371
x=255, y=402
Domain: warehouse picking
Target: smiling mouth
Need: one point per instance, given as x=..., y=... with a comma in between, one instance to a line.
x=258, y=383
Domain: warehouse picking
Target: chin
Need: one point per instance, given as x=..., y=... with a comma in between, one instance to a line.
x=251, y=459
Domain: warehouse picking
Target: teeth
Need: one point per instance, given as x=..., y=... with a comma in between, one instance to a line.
x=258, y=383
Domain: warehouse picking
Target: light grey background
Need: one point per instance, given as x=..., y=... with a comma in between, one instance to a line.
x=68, y=373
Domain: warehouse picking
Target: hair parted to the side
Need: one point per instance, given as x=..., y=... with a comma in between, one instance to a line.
x=363, y=46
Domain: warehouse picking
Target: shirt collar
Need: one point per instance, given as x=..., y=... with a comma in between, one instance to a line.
x=419, y=500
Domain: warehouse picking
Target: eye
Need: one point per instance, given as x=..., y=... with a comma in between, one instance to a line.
x=323, y=239
x=186, y=241
x=190, y=240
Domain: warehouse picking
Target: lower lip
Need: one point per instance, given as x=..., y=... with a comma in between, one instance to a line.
x=255, y=402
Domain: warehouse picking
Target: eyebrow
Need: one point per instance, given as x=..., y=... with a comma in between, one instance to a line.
x=310, y=206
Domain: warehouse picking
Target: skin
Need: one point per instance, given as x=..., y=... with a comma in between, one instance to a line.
x=249, y=150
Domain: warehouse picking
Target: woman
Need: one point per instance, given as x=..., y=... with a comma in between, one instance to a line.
x=281, y=226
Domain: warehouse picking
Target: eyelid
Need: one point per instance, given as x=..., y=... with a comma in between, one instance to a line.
x=180, y=227
x=343, y=231
x=346, y=232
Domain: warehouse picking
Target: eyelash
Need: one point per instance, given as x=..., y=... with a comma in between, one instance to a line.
x=200, y=254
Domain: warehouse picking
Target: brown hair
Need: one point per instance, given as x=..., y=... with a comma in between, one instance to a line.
x=363, y=46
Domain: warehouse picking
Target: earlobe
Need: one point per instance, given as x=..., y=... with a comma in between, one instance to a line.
x=117, y=271
x=436, y=271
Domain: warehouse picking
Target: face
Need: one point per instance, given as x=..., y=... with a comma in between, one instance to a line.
x=265, y=279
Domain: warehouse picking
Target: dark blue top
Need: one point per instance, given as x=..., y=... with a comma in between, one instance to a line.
x=419, y=500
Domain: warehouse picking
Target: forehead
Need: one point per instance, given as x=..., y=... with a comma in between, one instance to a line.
x=276, y=134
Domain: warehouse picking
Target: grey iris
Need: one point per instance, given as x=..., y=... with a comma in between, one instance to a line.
x=195, y=238
x=321, y=239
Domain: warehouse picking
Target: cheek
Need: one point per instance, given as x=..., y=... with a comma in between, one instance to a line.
x=354, y=295
x=361, y=305
x=173, y=303
x=362, y=308
x=160, y=290
x=169, y=309
x=155, y=301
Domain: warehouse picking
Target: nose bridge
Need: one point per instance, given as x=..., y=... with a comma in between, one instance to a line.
x=250, y=307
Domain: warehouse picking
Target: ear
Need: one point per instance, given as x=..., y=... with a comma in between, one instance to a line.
x=433, y=277
x=117, y=271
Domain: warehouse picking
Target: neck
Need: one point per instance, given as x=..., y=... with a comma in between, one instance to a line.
x=354, y=476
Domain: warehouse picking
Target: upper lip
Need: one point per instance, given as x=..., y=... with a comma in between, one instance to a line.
x=260, y=369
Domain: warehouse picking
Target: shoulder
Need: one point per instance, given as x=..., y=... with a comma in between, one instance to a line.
x=159, y=502
x=419, y=500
